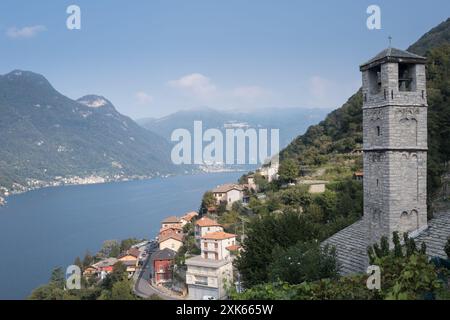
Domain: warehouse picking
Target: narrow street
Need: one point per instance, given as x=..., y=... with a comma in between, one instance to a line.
x=142, y=286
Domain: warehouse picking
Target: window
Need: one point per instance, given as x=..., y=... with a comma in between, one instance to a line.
x=406, y=77
x=375, y=80
x=378, y=131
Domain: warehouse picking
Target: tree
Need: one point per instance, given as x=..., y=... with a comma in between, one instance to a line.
x=403, y=277
x=208, y=201
x=110, y=249
x=58, y=278
x=267, y=233
x=447, y=248
x=128, y=243
x=122, y=291
x=78, y=263
x=288, y=170
x=303, y=262
x=87, y=260
x=119, y=273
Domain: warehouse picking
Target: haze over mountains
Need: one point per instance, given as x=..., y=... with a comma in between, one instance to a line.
x=44, y=134
x=290, y=121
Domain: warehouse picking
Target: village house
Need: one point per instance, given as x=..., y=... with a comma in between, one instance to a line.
x=208, y=273
x=188, y=217
x=173, y=229
x=170, y=222
x=270, y=171
x=214, y=245
x=162, y=262
x=171, y=240
x=101, y=268
x=228, y=193
x=130, y=259
x=205, y=225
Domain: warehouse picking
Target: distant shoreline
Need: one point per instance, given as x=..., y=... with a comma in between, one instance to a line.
x=58, y=184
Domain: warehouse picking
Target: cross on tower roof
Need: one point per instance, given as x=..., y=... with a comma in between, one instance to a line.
x=390, y=41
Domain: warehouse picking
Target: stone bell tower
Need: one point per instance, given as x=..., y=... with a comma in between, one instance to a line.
x=395, y=144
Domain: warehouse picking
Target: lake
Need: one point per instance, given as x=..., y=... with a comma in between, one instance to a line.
x=50, y=227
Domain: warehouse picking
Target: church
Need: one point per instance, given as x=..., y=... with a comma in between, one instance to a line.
x=395, y=161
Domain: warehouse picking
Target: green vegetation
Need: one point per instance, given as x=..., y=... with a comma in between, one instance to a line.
x=288, y=170
x=406, y=273
x=287, y=216
x=208, y=201
x=189, y=247
x=115, y=286
x=447, y=248
x=45, y=135
x=341, y=132
x=292, y=218
x=303, y=262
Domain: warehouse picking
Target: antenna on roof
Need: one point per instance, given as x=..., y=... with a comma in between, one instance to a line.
x=390, y=41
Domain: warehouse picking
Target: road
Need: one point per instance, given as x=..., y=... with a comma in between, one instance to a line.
x=142, y=285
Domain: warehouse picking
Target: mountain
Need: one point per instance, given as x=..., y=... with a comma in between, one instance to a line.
x=46, y=135
x=290, y=121
x=341, y=131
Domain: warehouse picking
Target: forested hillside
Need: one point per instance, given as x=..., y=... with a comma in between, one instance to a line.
x=341, y=131
x=44, y=134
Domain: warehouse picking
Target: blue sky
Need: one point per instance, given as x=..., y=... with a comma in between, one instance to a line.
x=151, y=58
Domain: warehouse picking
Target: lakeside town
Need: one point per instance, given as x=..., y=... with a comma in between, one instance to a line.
x=58, y=181
x=193, y=255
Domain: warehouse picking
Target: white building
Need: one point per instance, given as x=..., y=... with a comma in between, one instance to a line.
x=214, y=245
x=228, y=193
x=270, y=171
x=171, y=240
x=209, y=274
x=205, y=225
x=208, y=278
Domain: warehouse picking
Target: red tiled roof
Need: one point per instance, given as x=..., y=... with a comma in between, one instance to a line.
x=171, y=235
x=171, y=219
x=190, y=215
x=227, y=187
x=206, y=222
x=219, y=235
x=233, y=247
x=134, y=252
x=171, y=227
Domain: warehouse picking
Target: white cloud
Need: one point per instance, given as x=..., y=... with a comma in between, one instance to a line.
x=196, y=84
x=25, y=32
x=250, y=92
x=143, y=98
